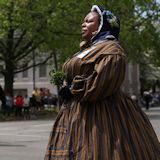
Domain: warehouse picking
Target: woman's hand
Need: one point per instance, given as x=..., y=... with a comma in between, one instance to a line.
x=65, y=91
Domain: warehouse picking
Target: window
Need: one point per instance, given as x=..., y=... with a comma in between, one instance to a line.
x=25, y=74
x=1, y=76
x=15, y=75
x=42, y=71
x=1, y=69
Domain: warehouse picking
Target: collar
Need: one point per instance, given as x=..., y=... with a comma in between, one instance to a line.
x=107, y=35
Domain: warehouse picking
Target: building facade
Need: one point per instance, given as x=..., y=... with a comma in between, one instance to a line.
x=131, y=84
x=38, y=77
x=25, y=82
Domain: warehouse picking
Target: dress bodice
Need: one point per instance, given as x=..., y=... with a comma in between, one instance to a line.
x=97, y=72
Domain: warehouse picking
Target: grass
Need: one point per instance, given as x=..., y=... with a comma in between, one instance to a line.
x=47, y=113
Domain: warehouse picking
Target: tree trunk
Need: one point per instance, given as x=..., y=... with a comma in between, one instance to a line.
x=56, y=69
x=154, y=85
x=9, y=79
x=55, y=60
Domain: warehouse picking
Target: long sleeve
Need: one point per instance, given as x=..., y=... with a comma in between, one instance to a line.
x=105, y=80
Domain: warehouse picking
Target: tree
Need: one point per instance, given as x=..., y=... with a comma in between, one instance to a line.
x=139, y=27
x=54, y=27
x=23, y=27
x=139, y=22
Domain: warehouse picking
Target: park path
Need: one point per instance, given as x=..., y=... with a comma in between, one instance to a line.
x=27, y=140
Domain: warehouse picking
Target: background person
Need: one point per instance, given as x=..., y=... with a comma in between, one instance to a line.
x=147, y=98
x=9, y=104
x=19, y=102
x=3, y=99
x=26, y=107
x=36, y=95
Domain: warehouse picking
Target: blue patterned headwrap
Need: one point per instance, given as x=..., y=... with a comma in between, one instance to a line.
x=109, y=24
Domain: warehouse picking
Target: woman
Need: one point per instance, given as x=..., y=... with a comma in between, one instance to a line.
x=100, y=122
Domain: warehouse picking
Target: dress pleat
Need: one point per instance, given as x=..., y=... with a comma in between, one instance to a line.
x=101, y=122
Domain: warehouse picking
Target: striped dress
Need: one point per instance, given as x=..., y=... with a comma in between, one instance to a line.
x=101, y=122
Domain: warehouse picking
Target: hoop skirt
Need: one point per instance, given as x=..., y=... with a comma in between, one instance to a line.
x=101, y=122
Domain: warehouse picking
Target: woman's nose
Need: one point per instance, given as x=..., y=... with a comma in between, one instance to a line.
x=83, y=24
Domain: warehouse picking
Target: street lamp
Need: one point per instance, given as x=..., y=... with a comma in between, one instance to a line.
x=34, y=79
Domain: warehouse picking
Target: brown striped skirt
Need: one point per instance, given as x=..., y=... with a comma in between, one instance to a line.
x=113, y=129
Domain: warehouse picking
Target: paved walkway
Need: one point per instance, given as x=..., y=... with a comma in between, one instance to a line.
x=27, y=140
x=154, y=116
x=24, y=140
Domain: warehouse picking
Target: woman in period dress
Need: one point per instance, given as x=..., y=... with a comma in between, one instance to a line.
x=100, y=122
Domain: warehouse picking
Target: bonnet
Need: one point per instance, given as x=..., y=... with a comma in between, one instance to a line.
x=109, y=24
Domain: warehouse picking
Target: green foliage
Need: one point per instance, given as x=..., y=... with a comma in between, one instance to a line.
x=140, y=33
x=58, y=24
x=23, y=29
x=139, y=24
x=57, y=78
x=47, y=25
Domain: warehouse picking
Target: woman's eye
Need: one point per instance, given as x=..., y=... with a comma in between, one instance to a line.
x=89, y=20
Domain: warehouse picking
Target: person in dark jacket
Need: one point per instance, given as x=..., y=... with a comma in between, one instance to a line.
x=19, y=102
x=2, y=98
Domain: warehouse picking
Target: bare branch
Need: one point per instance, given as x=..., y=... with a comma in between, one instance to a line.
x=2, y=44
x=19, y=40
x=23, y=49
x=24, y=54
x=2, y=49
x=18, y=58
x=33, y=65
x=1, y=58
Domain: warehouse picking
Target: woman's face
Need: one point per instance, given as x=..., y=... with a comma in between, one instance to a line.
x=90, y=25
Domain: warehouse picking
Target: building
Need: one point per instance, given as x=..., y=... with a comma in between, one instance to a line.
x=39, y=77
x=131, y=84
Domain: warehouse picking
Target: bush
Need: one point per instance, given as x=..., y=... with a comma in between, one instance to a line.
x=57, y=78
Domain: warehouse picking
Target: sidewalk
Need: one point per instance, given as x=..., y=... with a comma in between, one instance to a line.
x=154, y=116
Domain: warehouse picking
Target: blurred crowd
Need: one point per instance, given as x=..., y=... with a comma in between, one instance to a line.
x=23, y=105
x=148, y=99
